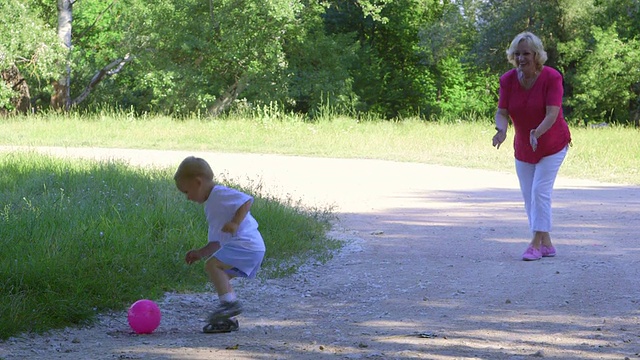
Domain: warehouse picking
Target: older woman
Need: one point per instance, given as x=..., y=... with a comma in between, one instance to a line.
x=531, y=97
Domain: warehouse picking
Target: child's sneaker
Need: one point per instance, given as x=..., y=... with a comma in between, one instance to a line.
x=547, y=251
x=531, y=254
x=223, y=326
x=225, y=310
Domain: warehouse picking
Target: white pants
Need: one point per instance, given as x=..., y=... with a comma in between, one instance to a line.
x=536, y=184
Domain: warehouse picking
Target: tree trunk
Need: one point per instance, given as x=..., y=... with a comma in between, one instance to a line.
x=15, y=80
x=225, y=100
x=113, y=68
x=61, y=97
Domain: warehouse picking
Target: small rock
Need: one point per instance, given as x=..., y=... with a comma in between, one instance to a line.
x=427, y=335
x=538, y=353
x=508, y=301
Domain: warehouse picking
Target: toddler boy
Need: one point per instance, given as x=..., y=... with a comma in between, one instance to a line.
x=235, y=246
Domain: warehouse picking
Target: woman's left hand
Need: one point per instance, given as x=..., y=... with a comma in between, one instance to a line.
x=533, y=140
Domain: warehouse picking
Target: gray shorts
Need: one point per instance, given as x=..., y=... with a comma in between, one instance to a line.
x=245, y=263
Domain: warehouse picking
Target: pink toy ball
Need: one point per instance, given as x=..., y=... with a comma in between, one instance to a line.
x=144, y=316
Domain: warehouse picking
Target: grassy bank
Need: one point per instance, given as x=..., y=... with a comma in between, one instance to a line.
x=607, y=154
x=80, y=237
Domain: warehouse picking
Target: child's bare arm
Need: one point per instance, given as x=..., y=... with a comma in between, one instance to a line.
x=232, y=226
x=204, y=252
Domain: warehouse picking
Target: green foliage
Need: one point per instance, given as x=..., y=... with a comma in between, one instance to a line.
x=605, y=73
x=80, y=237
x=319, y=66
x=390, y=79
x=600, y=82
x=462, y=91
x=30, y=44
x=367, y=58
x=625, y=13
x=501, y=20
x=190, y=53
x=461, y=87
x=6, y=93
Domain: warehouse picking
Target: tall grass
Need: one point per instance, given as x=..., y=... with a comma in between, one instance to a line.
x=607, y=154
x=80, y=237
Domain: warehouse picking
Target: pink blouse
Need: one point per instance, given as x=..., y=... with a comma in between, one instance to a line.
x=527, y=109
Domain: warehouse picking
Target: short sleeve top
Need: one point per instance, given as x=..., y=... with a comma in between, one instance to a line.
x=527, y=109
x=220, y=208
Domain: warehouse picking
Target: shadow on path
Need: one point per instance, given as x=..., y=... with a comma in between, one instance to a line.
x=432, y=269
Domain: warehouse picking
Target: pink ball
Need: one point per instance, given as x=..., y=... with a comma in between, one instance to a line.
x=144, y=316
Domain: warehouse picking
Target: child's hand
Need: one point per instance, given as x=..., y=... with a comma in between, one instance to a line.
x=230, y=227
x=192, y=256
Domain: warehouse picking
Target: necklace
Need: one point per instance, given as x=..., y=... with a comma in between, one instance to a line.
x=527, y=83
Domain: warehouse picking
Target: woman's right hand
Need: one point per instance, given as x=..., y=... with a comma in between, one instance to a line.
x=499, y=138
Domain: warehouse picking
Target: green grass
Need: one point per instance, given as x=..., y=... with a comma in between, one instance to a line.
x=79, y=237
x=607, y=154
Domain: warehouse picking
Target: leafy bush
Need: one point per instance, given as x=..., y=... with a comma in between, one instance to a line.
x=30, y=44
x=604, y=77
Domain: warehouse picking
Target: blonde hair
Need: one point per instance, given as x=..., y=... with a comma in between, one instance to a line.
x=534, y=42
x=192, y=167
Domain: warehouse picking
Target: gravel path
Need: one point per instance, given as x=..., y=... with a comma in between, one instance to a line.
x=431, y=270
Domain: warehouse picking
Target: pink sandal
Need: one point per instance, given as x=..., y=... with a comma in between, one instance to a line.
x=532, y=254
x=547, y=251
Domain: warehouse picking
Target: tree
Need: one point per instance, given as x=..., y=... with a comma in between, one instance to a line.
x=319, y=66
x=195, y=56
x=390, y=78
x=499, y=21
x=461, y=85
x=73, y=78
x=605, y=75
x=29, y=54
x=61, y=98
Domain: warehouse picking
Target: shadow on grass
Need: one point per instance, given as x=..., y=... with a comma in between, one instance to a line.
x=80, y=237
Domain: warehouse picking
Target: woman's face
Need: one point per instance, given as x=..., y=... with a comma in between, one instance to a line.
x=525, y=58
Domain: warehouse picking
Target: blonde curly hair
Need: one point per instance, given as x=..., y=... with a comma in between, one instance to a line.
x=534, y=42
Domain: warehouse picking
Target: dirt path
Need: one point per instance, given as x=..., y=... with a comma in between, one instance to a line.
x=432, y=271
